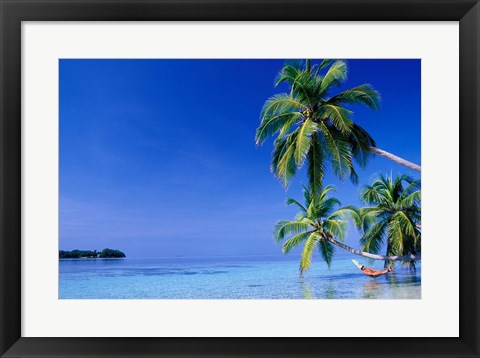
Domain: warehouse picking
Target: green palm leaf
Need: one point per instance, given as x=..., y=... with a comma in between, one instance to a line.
x=372, y=196
x=339, y=153
x=327, y=251
x=405, y=223
x=411, y=200
x=396, y=238
x=323, y=64
x=339, y=116
x=274, y=123
x=363, y=94
x=316, y=165
x=308, y=249
x=295, y=241
x=372, y=240
x=347, y=212
x=303, y=141
x=335, y=227
x=287, y=167
x=289, y=73
x=283, y=162
x=280, y=103
x=293, y=201
x=360, y=142
x=326, y=207
x=335, y=74
x=284, y=228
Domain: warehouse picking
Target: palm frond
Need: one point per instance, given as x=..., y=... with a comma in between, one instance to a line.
x=325, y=207
x=308, y=249
x=337, y=228
x=290, y=71
x=291, y=201
x=319, y=204
x=324, y=192
x=272, y=124
x=322, y=65
x=280, y=103
x=283, y=161
x=339, y=154
x=339, y=116
x=306, y=195
x=411, y=188
x=315, y=165
x=353, y=175
x=372, y=195
x=303, y=141
x=411, y=200
x=303, y=87
x=372, y=240
x=295, y=241
x=363, y=94
x=327, y=250
x=406, y=224
x=345, y=213
x=335, y=74
x=360, y=142
x=396, y=238
x=368, y=217
x=285, y=228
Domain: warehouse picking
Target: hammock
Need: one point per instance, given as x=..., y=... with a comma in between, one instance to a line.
x=371, y=272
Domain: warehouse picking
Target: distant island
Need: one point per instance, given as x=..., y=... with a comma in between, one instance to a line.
x=81, y=254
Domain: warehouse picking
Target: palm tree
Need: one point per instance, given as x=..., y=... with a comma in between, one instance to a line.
x=316, y=222
x=319, y=226
x=394, y=218
x=313, y=126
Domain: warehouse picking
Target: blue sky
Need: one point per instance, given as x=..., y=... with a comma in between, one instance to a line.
x=158, y=158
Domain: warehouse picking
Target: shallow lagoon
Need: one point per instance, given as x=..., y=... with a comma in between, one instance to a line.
x=254, y=277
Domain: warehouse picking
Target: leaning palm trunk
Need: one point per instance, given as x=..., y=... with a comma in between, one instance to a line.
x=396, y=159
x=373, y=256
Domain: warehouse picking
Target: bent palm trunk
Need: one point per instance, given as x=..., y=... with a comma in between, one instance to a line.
x=396, y=159
x=373, y=256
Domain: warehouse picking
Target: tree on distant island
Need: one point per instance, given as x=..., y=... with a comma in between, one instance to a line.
x=110, y=253
x=78, y=254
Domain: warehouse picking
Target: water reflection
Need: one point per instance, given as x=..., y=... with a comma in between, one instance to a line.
x=157, y=279
x=372, y=289
x=394, y=285
x=330, y=292
x=306, y=290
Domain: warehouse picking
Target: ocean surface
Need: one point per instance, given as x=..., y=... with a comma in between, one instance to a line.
x=253, y=277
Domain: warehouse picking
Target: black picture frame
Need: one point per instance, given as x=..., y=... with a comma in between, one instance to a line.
x=13, y=12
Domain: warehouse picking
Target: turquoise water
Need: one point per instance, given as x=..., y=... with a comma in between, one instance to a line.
x=234, y=277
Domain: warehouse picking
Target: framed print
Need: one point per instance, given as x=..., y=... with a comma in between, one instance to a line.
x=239, y=179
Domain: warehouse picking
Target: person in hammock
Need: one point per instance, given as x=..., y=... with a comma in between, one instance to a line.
x=371, y=272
